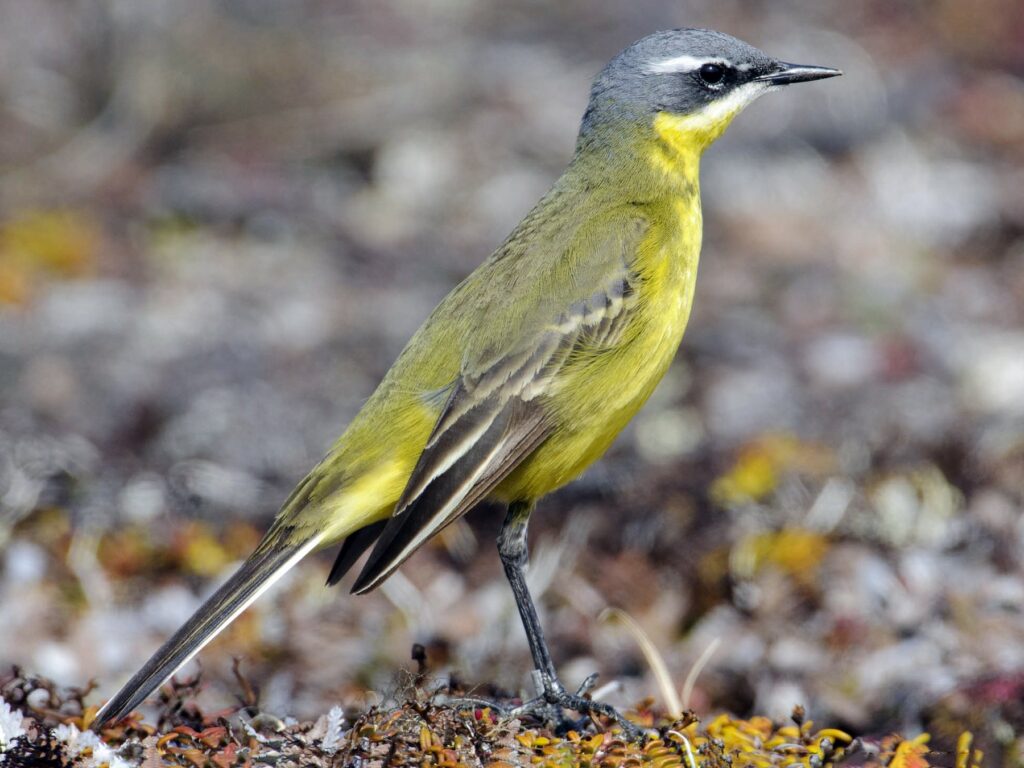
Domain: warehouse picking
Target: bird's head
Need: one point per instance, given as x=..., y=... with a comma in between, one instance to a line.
x=689, y=82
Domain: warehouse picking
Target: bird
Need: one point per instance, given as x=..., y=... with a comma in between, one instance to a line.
x=527, y=370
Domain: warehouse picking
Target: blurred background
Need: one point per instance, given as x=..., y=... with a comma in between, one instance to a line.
x=221, y=221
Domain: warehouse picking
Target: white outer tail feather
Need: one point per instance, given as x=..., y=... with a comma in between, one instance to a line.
x=222, y=622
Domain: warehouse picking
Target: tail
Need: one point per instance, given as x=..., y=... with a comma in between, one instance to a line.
x=265, y=566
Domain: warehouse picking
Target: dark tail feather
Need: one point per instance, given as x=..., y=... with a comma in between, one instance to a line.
x=352, y=548
x=261, y=570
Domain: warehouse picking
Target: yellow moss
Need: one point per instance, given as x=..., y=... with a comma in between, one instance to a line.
x=40, y=244
x=751, y=478
x=202, y=552
x=793, y=551
x=910, y=753
x=966, y=757
x=760, y=464
x=424, y=734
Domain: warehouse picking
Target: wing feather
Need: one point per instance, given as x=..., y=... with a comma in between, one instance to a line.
x=354, y=546
x=494, y=419
x=446, y=497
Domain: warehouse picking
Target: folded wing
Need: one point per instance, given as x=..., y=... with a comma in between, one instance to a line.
x=494, y=418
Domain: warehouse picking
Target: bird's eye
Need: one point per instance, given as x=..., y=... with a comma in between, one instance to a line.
x=712, y=74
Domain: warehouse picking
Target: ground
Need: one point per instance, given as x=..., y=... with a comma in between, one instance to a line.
x=220, y=222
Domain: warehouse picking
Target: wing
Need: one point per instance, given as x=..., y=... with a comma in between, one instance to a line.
x=354, y=546
x=495, y=417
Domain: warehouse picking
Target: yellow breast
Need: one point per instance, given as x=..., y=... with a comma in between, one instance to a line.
x=612, y=386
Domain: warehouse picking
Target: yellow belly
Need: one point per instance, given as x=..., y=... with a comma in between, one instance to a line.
x=611, y=386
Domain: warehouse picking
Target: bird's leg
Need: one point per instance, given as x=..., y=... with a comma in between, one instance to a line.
x=514, y=556
x=552, y=697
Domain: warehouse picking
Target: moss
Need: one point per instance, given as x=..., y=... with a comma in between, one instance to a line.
x=423, y=732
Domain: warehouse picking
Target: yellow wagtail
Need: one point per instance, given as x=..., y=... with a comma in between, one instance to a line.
x=525, y=373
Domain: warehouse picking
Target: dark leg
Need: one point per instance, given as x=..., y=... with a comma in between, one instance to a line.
x=553, y=696
x=513, y=553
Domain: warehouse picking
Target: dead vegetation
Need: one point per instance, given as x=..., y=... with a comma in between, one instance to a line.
x=421, y=729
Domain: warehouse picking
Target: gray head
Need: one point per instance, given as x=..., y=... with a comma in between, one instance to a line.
x=705, y=75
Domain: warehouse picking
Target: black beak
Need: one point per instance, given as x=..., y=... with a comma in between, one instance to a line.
x=797, y=73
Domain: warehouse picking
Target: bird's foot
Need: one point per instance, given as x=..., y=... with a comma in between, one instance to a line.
x=552, y=702
x=550, y=706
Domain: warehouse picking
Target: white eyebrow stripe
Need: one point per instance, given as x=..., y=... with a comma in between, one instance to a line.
x=683, y=64
x=680, y=64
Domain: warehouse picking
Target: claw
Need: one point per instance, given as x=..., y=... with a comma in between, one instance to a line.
x=554, y=700
x=587, y=685
x=551, y=704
